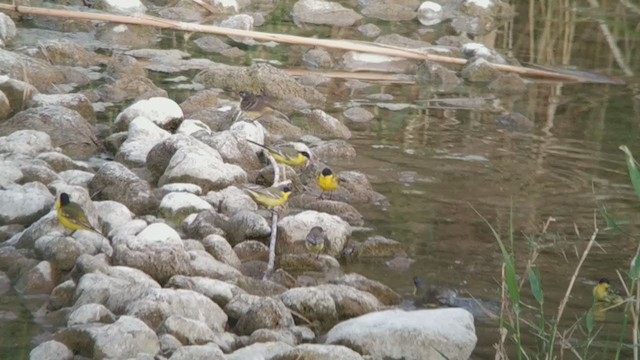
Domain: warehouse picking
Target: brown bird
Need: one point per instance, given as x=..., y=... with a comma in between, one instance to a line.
x=256, y=106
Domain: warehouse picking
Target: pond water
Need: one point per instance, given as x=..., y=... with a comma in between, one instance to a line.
x=436, y=162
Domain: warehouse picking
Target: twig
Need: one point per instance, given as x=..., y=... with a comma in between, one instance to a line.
x=615, y=51
x=274, y=224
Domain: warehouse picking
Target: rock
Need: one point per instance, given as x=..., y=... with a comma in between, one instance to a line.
x=5, y=107
x=24, y=204
x=293, y=230
x=239, y=305
x=62, y=295
x=433, y=74
x=181, y=188
x=257, y=286
x=8, y=231
x=62, y=251
x=389, y=11
x=176, y=206
x=515, y=122
x=190, y=127
x=128, y=36
x=345, y=211
x=379, y=246
x=395, y=334
x=7, y=30
x=377, y=289
x=203, y=224
x=323, y=13
x=66, y=128
x=400, y=263
x=200, y=100
x=198, y=352
x=251, y=250
x=240, y=21
x=265, y=313
x=201, y=166
x=76, y=177
x=187, y=331
x=168, y=344
x=91, y=313
x=369, y=30
x=479, y=70
x=259, y=350
x=159, y=304
x=128, y=337
x=318, y=352
x=112, y=214
x=50, y=350
x=159, y=156
x=18, y=92
x=246, y=225
x=358, y=189
x=211, y=44
x=114, y=181
x=40, y=279
x=508, y=84
x=220, y=249
x=231, y=149
x=280, y=128
x=231, y=200
x=36, y=171
x=325, y=126
x=270, y=335
x=65, y=52
x=430, y=13
x=334, y=149
x=60, y=162
x=163, y=112
x=129, y=88
x=218, y=291
x=317, y=58
x=203, y=264
x=313, y=303
x=157, y=250
x=473, y=51
x=358, y=61
x=42, y=75
x=358, y=118
x=130, y=8
x=142, y=136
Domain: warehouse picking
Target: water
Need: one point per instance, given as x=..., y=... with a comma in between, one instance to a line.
x=437, y=165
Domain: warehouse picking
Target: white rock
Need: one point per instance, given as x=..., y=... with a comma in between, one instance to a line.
x=430, y=13
x=176, y=206
x=182, y=187
x=90, y=313
x=227, y=4
x=319, y=351
x=231, y=200
x=143, y=135
x=24, y=204
x=122, y=7
x=126, y=338
x=190, y=126
x=188, y=331
x=485, y=4
x=113, y=214
x=77, y=177
x=28, y=142
x=209, y=351
x=158, y=234
x=51, y=350
x=294, y=229
x=7, y=29
x=162, y=111
x=260, y=350
x=410, y=335
x=253, y=131
x=219, y=291
x=10, y=173
x=323, y=13
x=358, y=61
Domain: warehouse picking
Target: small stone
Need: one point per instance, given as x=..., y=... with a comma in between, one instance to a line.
x=430, y=13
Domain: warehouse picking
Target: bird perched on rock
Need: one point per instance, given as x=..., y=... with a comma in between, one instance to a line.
x=287, y=154
x=71, y=215
x=271, y=197
x=256, y=106
x=603, y=293
x=327, y=181
x=315, y=240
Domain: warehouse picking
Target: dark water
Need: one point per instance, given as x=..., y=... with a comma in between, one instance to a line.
x=437, y=165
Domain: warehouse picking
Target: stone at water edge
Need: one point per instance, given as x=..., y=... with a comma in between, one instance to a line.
x=323, y=13
x=51, y=350
x=409, y=335
x=142, y=136
x=319, y=352
x=430, y=13
x=259, y=350
x=163, y=112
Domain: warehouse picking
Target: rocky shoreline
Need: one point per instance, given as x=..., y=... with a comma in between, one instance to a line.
x=179, y=271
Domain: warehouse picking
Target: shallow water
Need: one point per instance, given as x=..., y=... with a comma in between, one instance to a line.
x=437, y=165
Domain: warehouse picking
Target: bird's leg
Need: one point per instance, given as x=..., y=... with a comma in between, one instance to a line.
x=321, y=197
x=318, y=256
x=284, y=173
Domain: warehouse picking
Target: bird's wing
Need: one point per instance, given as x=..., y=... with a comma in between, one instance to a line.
x=74, y=213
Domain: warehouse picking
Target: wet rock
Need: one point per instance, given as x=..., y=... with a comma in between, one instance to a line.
x=400, y=263
x=240, y=21
x=433, y=74
x=231, y=200
x=293, y=230
x=423, y=334
x=62, y=251
x=379, y=246
x=123, y=339
x=62, y=295
x=358, y=118
x=198, y=352
x=176, y=206
x=307, y=262
x=266, y=313
x=202, y=166
x=259, y=350
x=479, y=70
x=345, y=211
x=473, y=51
x=219, y=291
x=508, y=84
x=17, y=92
x=24, y=204
x=122, y=66
x=115, y=182
x=142, y=136
x=129, y=88
x=325, y=126
x=357, y=61
x=251, y=250
x=220, y=249
x=203, y=264
x=318, y=352
x=430, y=13
x=157, y=250
x=246, y=224
x=211, y=44
x=91, y=313
x=334, y=149
x=66, y=128
x=112, y=214
x=317, y=58
x=384, y=293
x=403, y=41
x=323, y=13
x=514, y=122
x=201, y=100
x=359, y=189
x=163, y=112
x=42, y=75
x=369, y=30
x=313, y=303
x=389, y=11
x=127, y=36
x=51, y=350
x=65, y=52
x=187, y=331
x=40, y=279
x=159, y=304
x=258, y=78
x=7, y=30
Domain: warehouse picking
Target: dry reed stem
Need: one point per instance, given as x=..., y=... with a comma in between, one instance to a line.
x=615, y=51
x=274, y=224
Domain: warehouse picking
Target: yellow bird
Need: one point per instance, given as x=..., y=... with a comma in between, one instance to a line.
x=315, y=240
x=327, y=181
x=256, y=106
x=602, y=293
x=269, y=197
x=71, y=215
x=287, y=154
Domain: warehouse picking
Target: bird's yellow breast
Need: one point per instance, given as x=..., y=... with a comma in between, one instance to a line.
x=328, y=183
